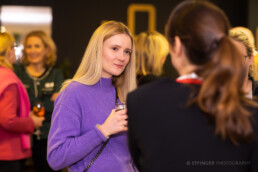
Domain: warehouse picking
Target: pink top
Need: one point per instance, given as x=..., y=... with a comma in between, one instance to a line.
x=15, y=126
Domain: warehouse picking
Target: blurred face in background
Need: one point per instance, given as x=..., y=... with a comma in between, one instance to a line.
x=35, y=50
x=247, y=59
x=116, y=53
x=11, y=55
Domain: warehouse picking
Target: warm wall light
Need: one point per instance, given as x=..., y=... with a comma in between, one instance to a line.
x=2, y=29
x=131, y=13
x=25, y=15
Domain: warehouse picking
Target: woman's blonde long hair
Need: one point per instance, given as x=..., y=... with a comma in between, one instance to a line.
x=90, y=69
x=6, y=43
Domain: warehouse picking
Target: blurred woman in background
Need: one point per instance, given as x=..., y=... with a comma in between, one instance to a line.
x=250, y=36
x=43, y=83
x=151, y=52
x=250, y=86
x=15, y=123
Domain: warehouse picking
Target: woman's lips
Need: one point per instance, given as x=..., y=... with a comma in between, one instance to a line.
x=119, y=66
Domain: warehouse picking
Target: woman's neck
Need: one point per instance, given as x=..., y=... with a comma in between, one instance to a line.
x=247, y=86
x=35, y=70
x=187, y=70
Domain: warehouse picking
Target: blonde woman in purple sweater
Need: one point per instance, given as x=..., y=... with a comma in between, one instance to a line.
x=84, y=117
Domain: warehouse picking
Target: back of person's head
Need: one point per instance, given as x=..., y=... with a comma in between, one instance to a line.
x=90, y=69
x=203, y=30
x=47, y=42
x=200, y=26
x=6, y=43
x=151, y=51
x=241, y=37
x=247, y=31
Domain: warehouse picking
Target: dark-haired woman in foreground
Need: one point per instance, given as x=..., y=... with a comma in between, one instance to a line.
x=202, y=122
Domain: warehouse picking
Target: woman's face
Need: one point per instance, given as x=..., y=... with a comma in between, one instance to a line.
x=11, y=55
x=116, y=53
x=241, y=47
x=35, y=50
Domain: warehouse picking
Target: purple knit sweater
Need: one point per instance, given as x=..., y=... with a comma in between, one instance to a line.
x=74, y=139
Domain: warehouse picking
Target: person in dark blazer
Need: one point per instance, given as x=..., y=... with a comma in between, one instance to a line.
x=202, y=122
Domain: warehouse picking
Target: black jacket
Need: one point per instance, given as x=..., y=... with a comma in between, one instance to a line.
x=166, y=135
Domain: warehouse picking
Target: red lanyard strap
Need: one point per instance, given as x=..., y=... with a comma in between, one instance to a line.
x=191, y=78
x=189, y=81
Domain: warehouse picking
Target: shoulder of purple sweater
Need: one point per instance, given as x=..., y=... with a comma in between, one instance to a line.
x=71, y=91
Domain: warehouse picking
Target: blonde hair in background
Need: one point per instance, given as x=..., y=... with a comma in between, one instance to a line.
x=152, y=49
x=250, y=35
x=242, y=37
x=6, y=43
x=48, y=43
x=90, y=69
x=247, y=31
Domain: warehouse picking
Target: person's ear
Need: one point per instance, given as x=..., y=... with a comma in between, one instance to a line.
x=251, y=60
x=177, y=47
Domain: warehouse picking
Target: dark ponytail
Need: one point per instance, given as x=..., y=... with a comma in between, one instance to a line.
x=221, y=94
x=203, y=30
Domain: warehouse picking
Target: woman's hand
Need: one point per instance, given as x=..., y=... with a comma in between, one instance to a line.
x=38, y=121
x=115, y=123
x=54, y=96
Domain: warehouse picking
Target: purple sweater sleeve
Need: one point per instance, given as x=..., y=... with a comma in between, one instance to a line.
x=66, y=144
